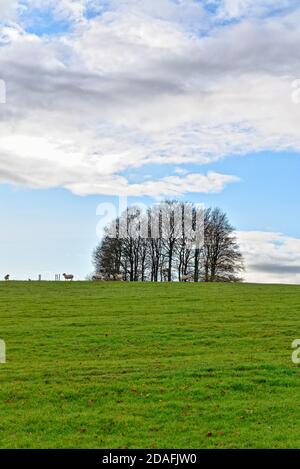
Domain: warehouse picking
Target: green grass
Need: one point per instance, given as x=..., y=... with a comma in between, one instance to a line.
x=100, y=365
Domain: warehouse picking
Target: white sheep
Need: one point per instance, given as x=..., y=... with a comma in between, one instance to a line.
x=68, y=277
x=118, y=277
x=97, y=278
x=187, y=278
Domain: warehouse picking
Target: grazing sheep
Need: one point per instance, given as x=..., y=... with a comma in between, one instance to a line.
x=187, y=278
x=118, y=277
x=68, y=277
x=97, y=278
x=6, y=278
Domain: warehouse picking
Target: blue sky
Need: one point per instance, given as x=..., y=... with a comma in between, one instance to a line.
x=193, y=99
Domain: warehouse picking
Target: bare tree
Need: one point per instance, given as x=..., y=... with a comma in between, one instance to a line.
x=222, y=259
x=172, y=241
x=107, y=257
x=171, y=232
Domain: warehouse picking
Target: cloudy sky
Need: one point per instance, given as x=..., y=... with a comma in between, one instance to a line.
x=198, y=99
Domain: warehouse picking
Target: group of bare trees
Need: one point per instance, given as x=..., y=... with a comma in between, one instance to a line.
x=172, y=241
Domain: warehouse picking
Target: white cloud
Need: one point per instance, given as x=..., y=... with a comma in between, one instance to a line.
x=168, y=186
x=180, y=171
x=270, y=257
x=189, y=13
x=235, y=9
x=8, y=10
x=73, y=10
x=136, y=85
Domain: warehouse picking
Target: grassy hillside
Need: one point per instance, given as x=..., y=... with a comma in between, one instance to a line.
x=145, y=365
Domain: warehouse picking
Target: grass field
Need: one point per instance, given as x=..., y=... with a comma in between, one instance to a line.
x=115, y=365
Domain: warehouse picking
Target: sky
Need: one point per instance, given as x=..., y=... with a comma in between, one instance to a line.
x=147, y=99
